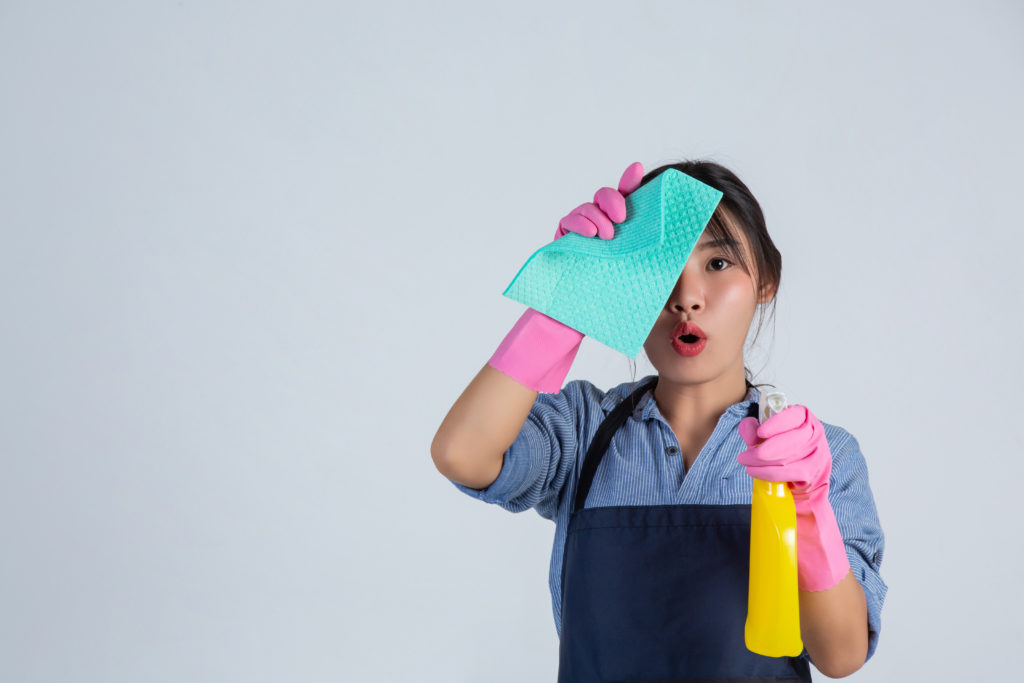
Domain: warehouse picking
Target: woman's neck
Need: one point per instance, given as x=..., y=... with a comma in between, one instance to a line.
x=695, y=408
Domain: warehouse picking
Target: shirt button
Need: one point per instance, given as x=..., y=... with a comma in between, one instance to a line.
x=671, y=450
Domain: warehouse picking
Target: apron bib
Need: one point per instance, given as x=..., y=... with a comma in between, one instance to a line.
x=657, y=593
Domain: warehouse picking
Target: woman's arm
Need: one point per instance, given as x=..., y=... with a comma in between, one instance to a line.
x=834, y=627
x=470, y=444
x=535, y=356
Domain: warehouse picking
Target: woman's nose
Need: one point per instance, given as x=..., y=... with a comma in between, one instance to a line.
x=688, y=294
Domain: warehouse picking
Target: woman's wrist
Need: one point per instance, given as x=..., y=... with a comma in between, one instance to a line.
x=538, y=352
x=820, y=552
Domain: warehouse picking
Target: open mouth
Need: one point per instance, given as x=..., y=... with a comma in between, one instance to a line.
x=688, y=332
x=688, y=339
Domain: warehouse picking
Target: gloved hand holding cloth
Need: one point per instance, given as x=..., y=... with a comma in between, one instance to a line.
x=539, y=350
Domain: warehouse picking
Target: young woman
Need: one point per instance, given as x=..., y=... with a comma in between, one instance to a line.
x=649, y=483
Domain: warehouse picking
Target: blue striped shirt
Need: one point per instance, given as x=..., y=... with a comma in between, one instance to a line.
x=644, y=466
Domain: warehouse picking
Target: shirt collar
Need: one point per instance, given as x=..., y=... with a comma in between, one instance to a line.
x=647, y=407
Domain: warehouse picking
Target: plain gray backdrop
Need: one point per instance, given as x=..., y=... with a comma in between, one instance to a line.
x=252, y=252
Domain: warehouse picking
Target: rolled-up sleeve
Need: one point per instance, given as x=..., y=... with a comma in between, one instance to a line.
x=540, y=460
x=854, y=507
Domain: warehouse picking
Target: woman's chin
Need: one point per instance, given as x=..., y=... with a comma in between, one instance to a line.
x=682, y=370
x=679, y=369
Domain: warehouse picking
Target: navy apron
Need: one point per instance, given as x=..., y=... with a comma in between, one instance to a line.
x=657, y=592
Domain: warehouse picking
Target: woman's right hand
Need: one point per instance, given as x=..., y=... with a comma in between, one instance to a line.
x=539, y=350
x=609, y=206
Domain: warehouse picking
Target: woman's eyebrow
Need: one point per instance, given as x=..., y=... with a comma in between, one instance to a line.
x=715, y=244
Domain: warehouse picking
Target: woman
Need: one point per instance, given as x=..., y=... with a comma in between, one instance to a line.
x=649, y=484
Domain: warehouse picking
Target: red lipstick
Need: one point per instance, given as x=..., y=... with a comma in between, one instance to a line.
x=688, y=339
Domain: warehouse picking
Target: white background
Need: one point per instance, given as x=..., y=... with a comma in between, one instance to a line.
x=252, y=252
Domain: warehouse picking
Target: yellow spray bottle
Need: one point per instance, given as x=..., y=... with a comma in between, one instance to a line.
x=773, y=608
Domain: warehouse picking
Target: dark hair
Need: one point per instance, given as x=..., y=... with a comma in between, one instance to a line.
x=737, y=211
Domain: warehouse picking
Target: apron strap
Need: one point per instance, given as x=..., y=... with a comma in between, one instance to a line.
x=602, y=438
x=605, y=432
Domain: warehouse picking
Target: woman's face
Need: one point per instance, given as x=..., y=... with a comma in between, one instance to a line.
x=717, y=295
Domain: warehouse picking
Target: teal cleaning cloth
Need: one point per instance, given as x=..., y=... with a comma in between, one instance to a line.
x=613, y=290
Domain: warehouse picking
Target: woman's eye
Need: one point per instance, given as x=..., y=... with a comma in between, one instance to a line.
x=714, y=264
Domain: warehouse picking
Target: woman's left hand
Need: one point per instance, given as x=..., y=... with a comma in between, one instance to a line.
x=790, y=446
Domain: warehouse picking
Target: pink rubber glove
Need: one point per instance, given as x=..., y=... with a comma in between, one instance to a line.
x=609, y=205
x=539, y=350
x=790, y=446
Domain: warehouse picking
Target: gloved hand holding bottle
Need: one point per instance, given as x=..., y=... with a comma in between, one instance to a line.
x=539, y=350
x=790, y=446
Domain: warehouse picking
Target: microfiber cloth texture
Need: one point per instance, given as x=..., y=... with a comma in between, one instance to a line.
x=613, y=290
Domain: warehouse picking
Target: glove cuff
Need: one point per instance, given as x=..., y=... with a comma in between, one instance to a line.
x=538, y=352
x=820, y=553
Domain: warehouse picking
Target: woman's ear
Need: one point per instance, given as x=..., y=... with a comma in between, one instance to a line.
x=767, y=293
